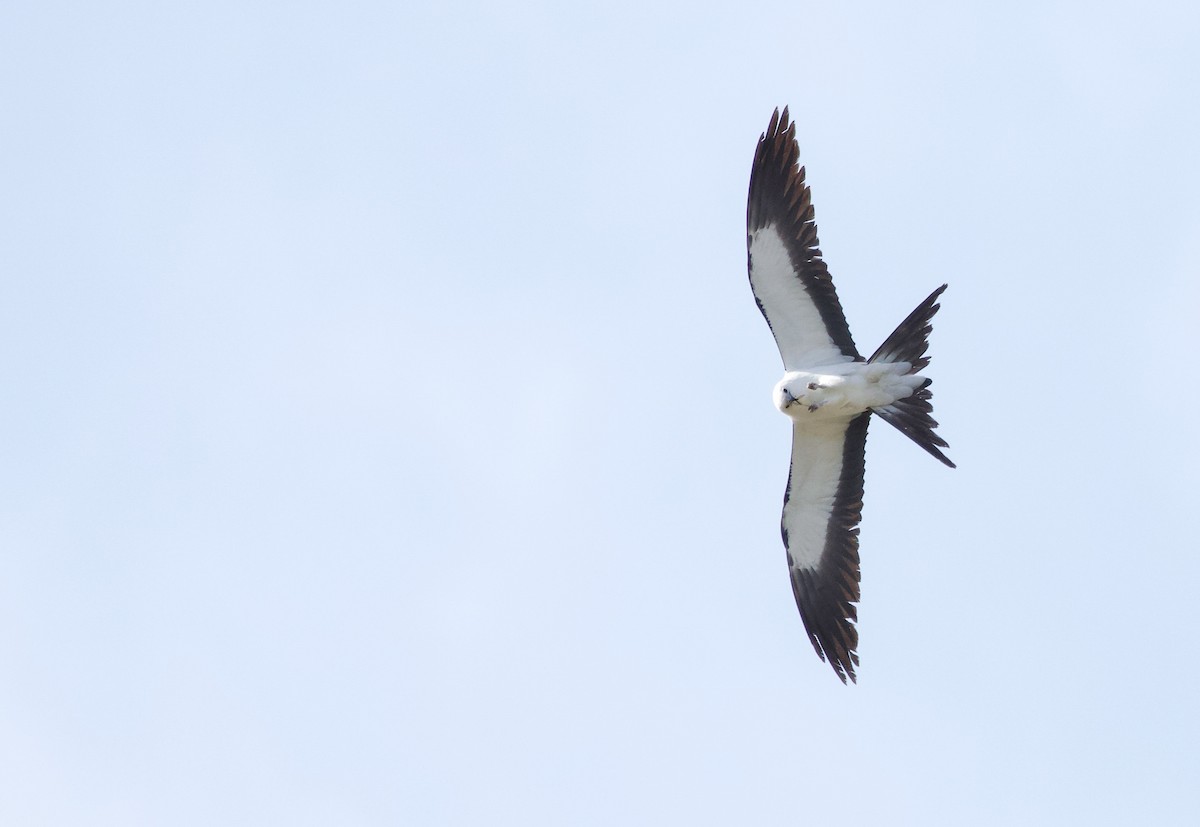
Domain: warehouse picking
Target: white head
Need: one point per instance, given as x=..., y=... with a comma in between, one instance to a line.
x=799, y=394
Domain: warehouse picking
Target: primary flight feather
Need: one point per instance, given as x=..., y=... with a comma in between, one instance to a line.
x=828, y=391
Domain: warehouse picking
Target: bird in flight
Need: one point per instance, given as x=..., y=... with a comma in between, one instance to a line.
x=828, y=391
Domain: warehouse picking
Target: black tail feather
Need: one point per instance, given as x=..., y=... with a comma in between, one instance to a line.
x=912, y=416
x=909, y=340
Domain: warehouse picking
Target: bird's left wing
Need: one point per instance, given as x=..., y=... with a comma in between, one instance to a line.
x=790, y=280
x=821, y=511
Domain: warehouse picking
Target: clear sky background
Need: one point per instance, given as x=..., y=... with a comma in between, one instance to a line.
x=386, y=434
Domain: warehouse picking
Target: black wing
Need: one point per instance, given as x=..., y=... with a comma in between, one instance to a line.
x=821, y=512
x=790, y=280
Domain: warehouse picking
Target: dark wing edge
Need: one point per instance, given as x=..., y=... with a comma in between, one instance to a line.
x=779, y=196
x=826, y=595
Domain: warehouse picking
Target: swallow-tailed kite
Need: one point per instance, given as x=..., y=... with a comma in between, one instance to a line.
x=828, y=391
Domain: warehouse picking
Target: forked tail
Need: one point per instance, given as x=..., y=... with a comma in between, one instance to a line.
x=908, y=343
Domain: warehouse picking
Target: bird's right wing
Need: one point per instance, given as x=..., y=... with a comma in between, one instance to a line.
x=821, y=512
x=790, y=280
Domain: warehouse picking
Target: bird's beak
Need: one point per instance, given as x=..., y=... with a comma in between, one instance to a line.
x=788, y=399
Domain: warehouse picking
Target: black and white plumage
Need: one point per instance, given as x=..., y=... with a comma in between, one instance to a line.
x=828, y=391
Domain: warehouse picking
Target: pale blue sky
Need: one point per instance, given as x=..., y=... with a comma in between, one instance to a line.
x=387, y=434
